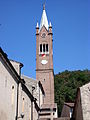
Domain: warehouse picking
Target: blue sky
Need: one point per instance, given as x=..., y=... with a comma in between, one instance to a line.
x=71, y=32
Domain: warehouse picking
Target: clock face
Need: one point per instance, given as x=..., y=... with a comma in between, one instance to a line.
x=44, y=62
x=43, y=35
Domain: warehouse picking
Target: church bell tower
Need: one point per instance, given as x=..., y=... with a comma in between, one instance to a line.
x=44, y=59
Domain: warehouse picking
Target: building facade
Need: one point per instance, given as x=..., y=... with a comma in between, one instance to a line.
x=9, y=84
x=67, y=110
x=20, y=96
x=82, y=103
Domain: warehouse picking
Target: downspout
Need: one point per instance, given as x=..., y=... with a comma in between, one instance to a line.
x=39, y=102
x=33, y=88
x=31, y=109
x=20, y=66
x=17, y=101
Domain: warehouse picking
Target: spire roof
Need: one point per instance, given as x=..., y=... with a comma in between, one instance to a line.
x=44, y=20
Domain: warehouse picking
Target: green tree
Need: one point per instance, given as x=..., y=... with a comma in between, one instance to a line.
x=66, y=84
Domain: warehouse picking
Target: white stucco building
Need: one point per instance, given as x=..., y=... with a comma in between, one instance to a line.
x=20, y=97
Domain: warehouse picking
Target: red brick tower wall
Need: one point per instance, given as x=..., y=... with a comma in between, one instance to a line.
x=44, y=72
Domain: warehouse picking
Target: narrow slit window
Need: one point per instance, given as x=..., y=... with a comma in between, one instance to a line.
x=29, y=112
x=12, y=99
x=46, y=47
x=40, y=47
x=43, y=47
x=23, y=105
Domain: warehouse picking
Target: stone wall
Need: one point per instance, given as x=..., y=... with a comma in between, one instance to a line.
x=8, y=92
x=85, y=101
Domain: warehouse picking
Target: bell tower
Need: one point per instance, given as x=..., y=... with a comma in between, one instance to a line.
x=44, y=59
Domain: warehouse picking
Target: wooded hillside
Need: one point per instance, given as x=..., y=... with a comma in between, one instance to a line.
x=66, y=84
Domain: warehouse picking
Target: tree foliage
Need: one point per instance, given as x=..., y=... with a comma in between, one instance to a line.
x=66, y=84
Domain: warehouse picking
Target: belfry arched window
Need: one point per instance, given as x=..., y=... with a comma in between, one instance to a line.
x=44, y=48
x=40, y=48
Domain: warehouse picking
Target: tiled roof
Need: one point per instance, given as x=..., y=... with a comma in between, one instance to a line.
x=49, y=106
x=69, y=104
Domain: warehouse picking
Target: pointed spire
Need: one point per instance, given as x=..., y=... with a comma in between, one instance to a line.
x=37, y=29
x=37, y=26
x=50, y=25
x=44, y=20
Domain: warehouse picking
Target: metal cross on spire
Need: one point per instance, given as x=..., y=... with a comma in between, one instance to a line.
x=44, y=4
x=44, y=20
